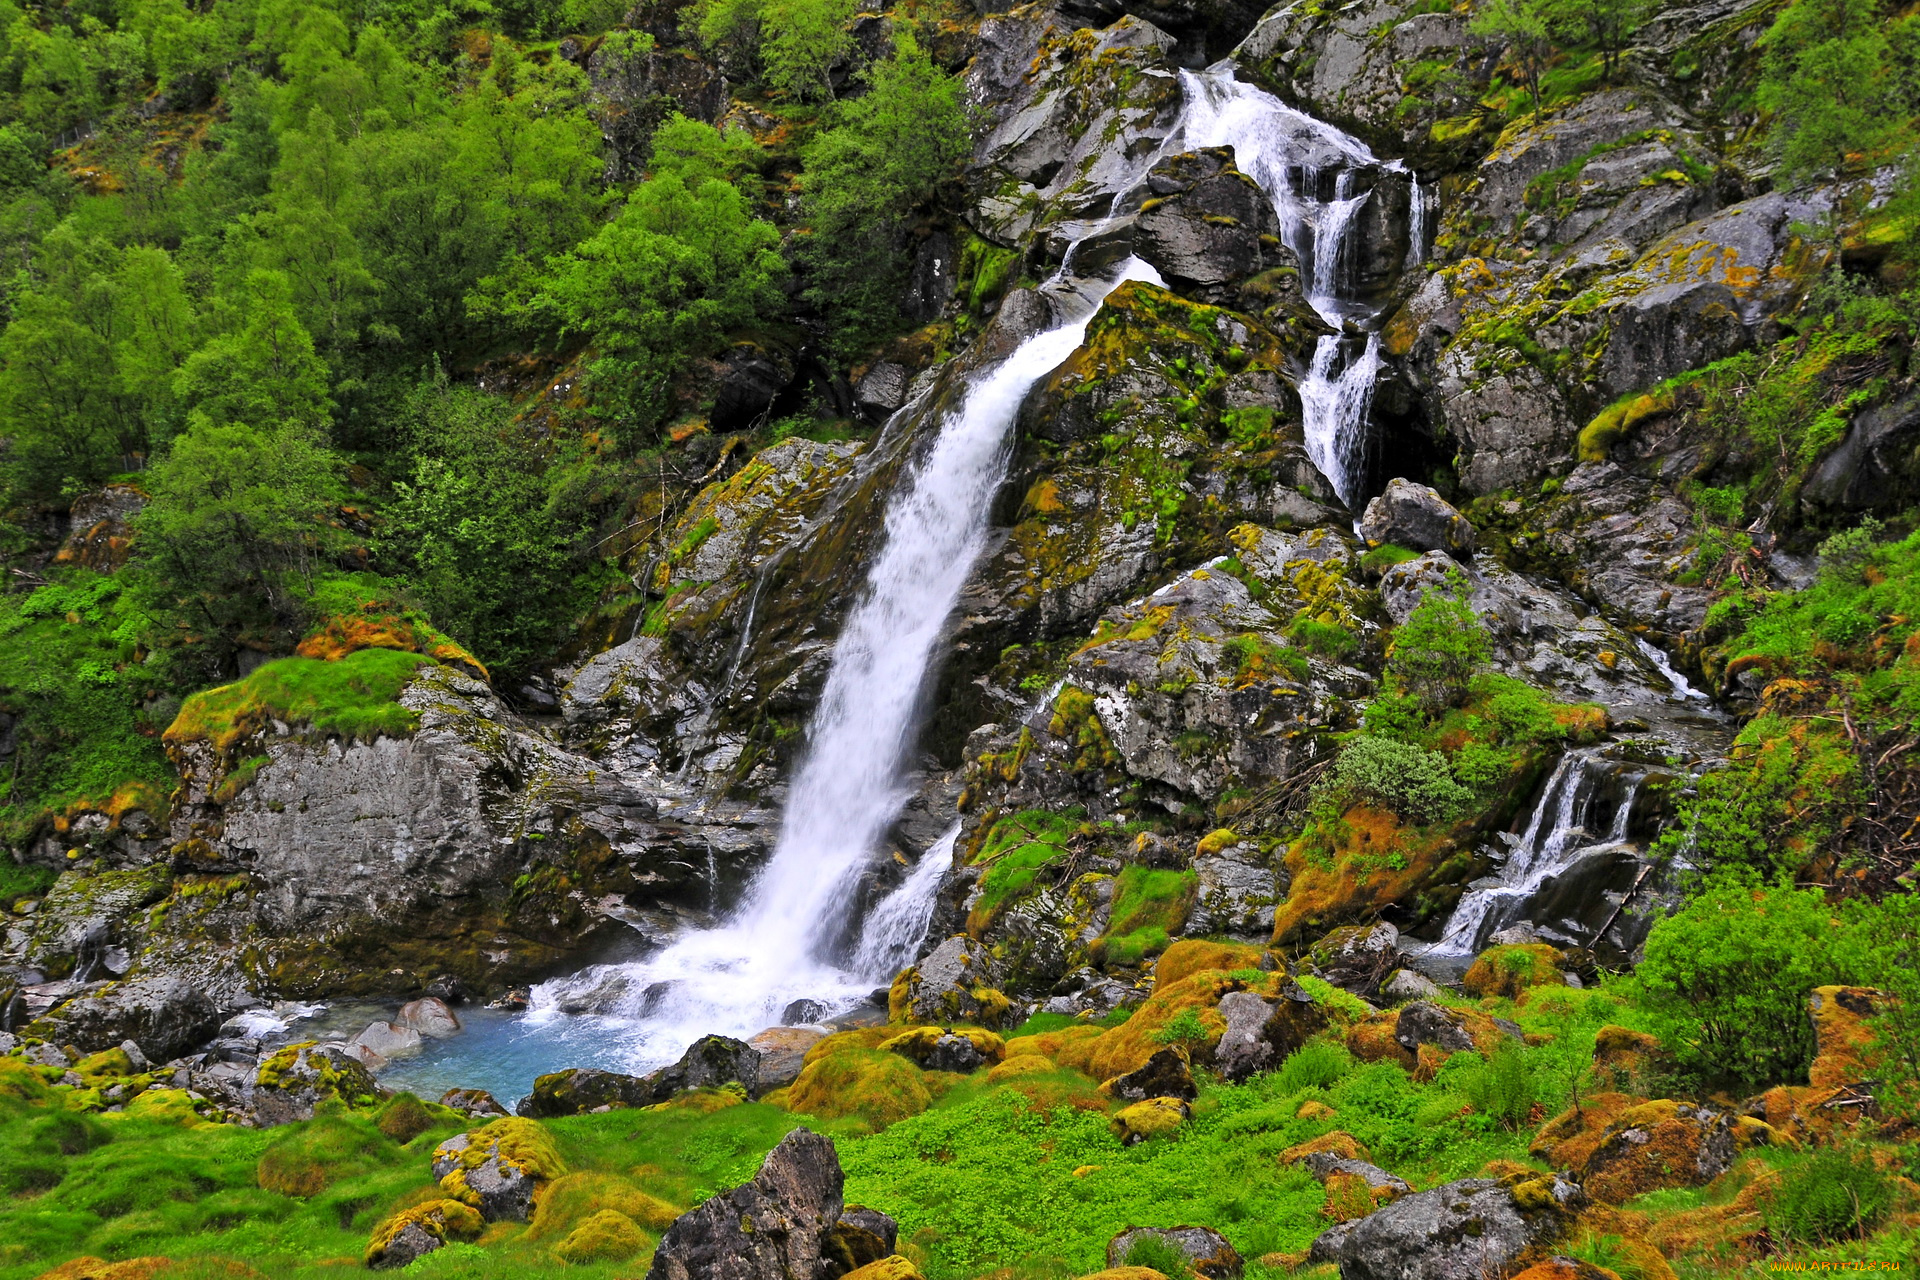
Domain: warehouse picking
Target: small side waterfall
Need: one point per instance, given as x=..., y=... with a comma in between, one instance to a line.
x=1314, y=175
x=1582, y=817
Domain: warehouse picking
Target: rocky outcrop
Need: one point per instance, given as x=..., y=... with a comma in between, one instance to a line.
x=774, y=1227
x=1208, y=1253
x=1416, y=516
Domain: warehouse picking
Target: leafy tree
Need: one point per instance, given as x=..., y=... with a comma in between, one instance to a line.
x=696, y=152
x=1828, y=77
x=264, y=374
x=660, y=284
x=1732, y=970
x=1607, y=25
x=1892, y=928
x=235, y=532
x=485, y=524
x=1439, y=647
x=800, y=42
x=1525, y=27
x=866, y=177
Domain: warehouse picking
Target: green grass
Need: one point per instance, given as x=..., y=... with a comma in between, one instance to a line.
x=352, y=697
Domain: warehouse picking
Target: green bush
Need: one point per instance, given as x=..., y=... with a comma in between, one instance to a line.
x=1832, y=1194
x=1324, y=638
x=1439, y=647
x=1413, y=782
x=1502, y=1086
x=1731, y=971
x=1317, y=1064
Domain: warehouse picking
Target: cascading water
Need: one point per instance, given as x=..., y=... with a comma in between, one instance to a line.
x=1585, y=807
x=1295, y=158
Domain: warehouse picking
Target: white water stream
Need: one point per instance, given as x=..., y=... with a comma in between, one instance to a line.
x=1577, y=811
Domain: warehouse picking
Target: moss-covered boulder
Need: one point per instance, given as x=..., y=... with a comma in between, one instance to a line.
x=289, y=1084
x=607, y=1236
x=961, y=1049
x=1668, y=1144
x=955, y=982
x=871, y=1084
x=1152, y=1118
x=497, y=1169
x=415, y=1232
x=1508, y=971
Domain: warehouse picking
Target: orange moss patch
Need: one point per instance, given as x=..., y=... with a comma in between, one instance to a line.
x=1666, y=1144
x=1187, y=957
x=377, y=626
x=1372, y=1040
x=1357, y=876
x=1732, y=1233
x=1567, y=1140
x=1128, y=1046
x=1558, y=1268
x=1348, y=1197
x=1847, y=1053
x=1508, y=971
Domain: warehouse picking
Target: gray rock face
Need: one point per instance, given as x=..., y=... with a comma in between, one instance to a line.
x=1324, y=1164
x=579, y=1090
x=1416, y=516
x=384, y=1040
x=1237, y=894
x=954, y=1053
x=165, y=1014
x=941, y=988
x=1208, y=1252
x=1207, y=225
x=477, y=1103
x=773, y=1228
x=1876, y=464
x=1243, y=1049
x=882, y=389
x=1469, y=1228
x=1407, y=984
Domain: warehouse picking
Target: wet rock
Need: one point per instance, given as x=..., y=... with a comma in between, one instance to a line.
x=1424, y=1023
x=429, y=1017
x=1164, y=1075
x=783, y=1052
x=289, y=1085
x=477, y=1103
x=1208, y=226
x=773, y=1228
x=1416, y=516
x=1262, y=1033
x=1469, y=1228
x=1876, y=465
x=579, y=1090
x=1208, y=1252
x=164, y=1013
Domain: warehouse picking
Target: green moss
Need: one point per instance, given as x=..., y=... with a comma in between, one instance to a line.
x=1149, y=905
x=353, y=698
x=1385, y=556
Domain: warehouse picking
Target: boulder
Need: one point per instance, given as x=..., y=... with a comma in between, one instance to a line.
x=1417, y=517
x=384, y=1041
x=803, y=1013
x=1164, y=1075
x=1149, y=1119
x=1408, y=984
x=1261, y=1033
x=783, y=1052
x=882, y=389
x=496, y=1169
x=862, y=1237
x=1328, y=1164
x=477, y=1103
x=1424, y=1023
x=430, y=1017
x=1475, y=1227
x=708, y=1063
x=579, y=1090
x=1208, y=1252
x=1667, y=1144
x=415, y=1232
x=940, y=1049
x=1207, y=225
x=287, y=1086
x=955, y=983
x=773, y=1228
x=165, y=1014
x=1236, y=895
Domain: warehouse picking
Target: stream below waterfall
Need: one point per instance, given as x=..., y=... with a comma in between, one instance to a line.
x=788, y=940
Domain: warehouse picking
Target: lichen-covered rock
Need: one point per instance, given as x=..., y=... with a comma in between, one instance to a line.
x=939, y=1049
x=772, y=1228
x=954, y=983
x=578, y=1090
x=1324, y=1165
x=1208, y=1253
x=1208, y=226
x=1237, y=890
x=1474, y=1227
x=1261, y=1033
x=497, y=1169
x=288, y=1085
x=1416, y=516
x=413, y=1233
x=1509, y=970
x=708, y=1063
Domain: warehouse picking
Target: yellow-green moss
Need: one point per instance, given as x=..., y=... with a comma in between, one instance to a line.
x=608, y=1236
x=353, y=697
x=869, y=1084
x=442, y=1219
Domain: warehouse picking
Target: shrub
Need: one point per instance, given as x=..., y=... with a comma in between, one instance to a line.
x=1732, y=969
x=1317, y=1064
x=1413, y=782
x=1439, y=647
x=1326, y=639
x=1502, y=1087
x=1831, y=1195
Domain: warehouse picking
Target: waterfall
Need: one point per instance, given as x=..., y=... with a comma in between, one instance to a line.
x=1683, y=690
x=1294, y=158
x=1578, y=811
x=736, y=979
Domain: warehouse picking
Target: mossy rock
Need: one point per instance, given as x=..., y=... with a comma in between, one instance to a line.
x=1666, y=1143
x=607, y=1236
x=400, y=1239
x=405, y=1118
x=892, y=1267
x=107, y=1064
x=1027, y=1064
x=1508, y=971
x=1191, y=955
x=869, y=1084
x=1152, y=1118
x=923, y=1045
